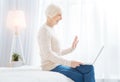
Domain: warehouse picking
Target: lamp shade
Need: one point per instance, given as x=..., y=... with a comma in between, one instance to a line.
x=16, y=20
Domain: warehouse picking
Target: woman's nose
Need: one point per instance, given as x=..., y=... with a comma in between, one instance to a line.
x=60, y=17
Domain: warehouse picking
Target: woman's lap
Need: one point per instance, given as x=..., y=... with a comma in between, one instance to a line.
x=69, y=72
x=76, y=74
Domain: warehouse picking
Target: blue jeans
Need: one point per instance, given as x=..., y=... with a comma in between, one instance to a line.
x=82, y=73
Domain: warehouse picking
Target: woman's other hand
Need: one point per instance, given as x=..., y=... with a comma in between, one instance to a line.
x=74, y=64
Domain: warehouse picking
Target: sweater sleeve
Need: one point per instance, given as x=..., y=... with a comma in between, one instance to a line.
x=66, y=51
x=45, y=43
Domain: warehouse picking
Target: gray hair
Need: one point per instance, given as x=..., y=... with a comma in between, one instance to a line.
x=52, y=10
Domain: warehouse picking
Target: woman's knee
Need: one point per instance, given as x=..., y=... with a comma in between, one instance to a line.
x=91, y=67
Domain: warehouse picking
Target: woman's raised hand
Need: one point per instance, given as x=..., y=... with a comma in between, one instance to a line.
x=75, y=42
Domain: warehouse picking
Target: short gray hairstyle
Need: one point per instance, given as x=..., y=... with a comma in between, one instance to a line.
x=52, y=10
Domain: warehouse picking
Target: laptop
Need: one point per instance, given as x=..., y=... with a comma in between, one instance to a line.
x=100, y=51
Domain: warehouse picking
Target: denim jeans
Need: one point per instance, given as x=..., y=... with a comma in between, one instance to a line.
x=82, y=73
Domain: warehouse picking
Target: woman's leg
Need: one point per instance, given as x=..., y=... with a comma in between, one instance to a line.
x=87, y=71
x=69, y=72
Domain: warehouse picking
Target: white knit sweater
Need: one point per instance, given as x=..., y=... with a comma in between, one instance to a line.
x=50, y=51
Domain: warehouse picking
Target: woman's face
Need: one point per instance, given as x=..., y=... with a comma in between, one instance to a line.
x=56, y=18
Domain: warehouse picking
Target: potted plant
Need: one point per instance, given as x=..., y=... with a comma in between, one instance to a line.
x=16, y=57
x=16, y=60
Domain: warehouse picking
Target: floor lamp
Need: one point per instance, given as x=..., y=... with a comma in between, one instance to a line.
x=16, y=23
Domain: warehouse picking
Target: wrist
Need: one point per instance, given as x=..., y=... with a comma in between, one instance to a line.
x=73, y=48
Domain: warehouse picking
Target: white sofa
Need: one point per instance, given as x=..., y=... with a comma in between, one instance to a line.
x=29, y=74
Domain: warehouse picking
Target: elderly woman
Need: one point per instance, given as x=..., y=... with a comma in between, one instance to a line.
x=51, y=53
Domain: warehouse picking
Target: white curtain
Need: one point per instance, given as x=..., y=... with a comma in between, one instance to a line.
x=95, y=22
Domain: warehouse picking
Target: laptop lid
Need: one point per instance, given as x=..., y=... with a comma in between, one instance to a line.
x=101, y=49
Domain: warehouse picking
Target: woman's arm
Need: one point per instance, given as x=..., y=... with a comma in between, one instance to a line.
x=66, y=51
x=69, y=50
x=45, y=44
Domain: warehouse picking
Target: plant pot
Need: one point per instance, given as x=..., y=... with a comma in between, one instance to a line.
x=17, y=63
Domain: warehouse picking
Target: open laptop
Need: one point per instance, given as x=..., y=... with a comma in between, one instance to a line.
x=101, y=49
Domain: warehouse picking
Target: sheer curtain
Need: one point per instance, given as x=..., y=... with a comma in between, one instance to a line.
x=95, y=22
